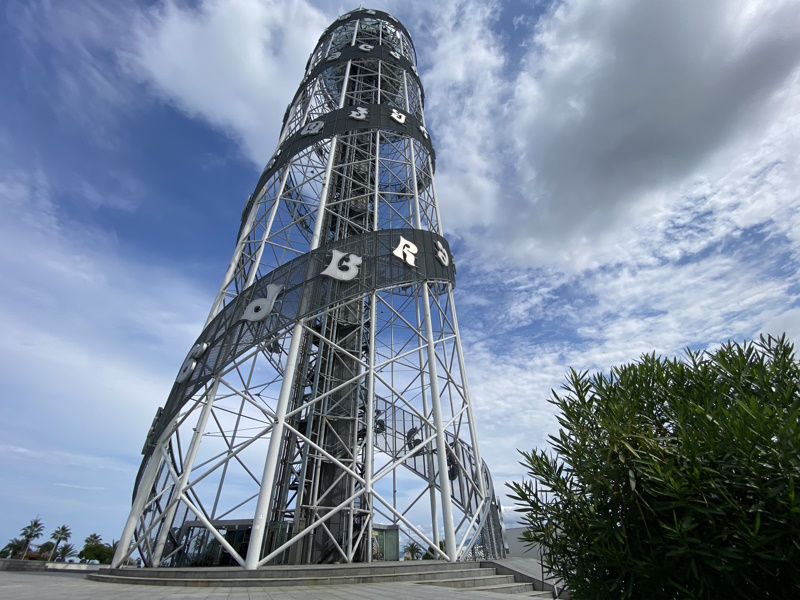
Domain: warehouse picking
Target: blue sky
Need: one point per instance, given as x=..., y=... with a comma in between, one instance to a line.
x=614, y=178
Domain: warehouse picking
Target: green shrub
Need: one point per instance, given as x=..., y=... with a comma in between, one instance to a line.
x=674, y=479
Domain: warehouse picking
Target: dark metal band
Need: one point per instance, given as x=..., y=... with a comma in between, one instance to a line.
x=383, y=53
x=362, y=13
x=306, y=291
x=379, y=116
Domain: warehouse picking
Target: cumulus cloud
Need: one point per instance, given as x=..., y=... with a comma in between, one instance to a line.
x=517, y=353
x=89, y=340
x=653, y=208
x=235, y=65
x=618, y=101
x=85, y=330
x=462, y=70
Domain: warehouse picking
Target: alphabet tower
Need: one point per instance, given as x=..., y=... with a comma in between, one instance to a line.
x=323, y=414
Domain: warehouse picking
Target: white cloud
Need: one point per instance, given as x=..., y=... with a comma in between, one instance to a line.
x=235, y=65
x=75, y=300
x=88, y=488
x=618, y=102
x=655, y=206
x=462, y=67
x=90, y=341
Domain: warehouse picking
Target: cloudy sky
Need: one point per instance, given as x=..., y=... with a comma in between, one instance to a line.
x=615, y=177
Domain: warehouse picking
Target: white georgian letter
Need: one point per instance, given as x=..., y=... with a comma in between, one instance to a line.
x=273, y=160
x=398, y=116
x=359, y=114
x=441, y=254
x=312, y=128
x=259, y=308
x=406, y=251
x=187, y=368
x=347, y=270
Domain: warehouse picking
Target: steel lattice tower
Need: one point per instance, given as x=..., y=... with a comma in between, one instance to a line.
x=327, y=390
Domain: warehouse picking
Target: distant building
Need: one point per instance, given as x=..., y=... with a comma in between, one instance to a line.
x=519, y=549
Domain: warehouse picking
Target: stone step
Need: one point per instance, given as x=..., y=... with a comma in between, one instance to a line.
x=472, y=582
x=296, y=571
x=509, y=588
x=341, y=577
x=467, y=576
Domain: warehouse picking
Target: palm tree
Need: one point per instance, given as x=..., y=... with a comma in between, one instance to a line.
x=61, y=534
x=13, y=547
x=32, y=532
x=413, y=549
x=91, y=546
x=66, y=551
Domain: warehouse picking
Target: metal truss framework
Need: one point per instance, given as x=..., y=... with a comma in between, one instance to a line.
x=327, y=392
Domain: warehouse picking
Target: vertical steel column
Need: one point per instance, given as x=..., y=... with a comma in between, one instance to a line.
x=470, y=416
x=180, y=485
x=142, y=494
x=441, y=444
x=369, y=442
x=271, y=463
x=429, y=456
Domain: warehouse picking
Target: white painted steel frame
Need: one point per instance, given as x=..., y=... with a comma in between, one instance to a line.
x=413, y=365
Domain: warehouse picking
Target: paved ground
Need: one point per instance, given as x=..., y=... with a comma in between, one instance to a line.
x=45, y=586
